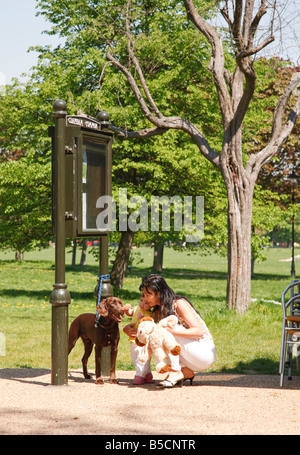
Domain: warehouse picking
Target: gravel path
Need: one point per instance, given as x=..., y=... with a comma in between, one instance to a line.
x=216, y=404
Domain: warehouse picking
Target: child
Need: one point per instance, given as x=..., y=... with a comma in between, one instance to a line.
x=142, y=370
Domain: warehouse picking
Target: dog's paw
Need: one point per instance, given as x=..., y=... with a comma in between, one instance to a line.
x=99, y=381
x=176, y=350
x=87, y=376
x=161, y=368
x=114, y=381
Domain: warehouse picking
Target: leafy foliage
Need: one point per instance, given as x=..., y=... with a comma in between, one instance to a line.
x=174, y=58
x=25, y=195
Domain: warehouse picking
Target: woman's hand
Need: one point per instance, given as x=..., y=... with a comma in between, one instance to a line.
x=180, y=331
x=130, y=330
x=185, y=311
x=172, y=330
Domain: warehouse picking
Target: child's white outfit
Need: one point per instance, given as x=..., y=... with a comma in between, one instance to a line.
x=142, y=369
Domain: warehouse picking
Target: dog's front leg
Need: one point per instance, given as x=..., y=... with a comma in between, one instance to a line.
x=113, y=358
x=99, y=379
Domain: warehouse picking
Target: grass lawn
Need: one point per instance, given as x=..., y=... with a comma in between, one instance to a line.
x=249, y=343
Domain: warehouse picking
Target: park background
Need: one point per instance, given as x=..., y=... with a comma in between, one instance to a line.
x=248, y=343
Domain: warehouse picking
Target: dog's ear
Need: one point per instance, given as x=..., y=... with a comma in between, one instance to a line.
x=102, y=308
x=138, y=343
x=112, y=301
x=147, y=318
x=119, y=301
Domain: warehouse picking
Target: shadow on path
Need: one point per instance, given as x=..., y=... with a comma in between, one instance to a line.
x=37, y=376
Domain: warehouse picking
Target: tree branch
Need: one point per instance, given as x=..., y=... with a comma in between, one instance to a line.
x=139, y=134
x=254, y=50
x=280, y=133
x=225, y=14
x=237, y=22
x=282, y=104
x=133, y=86
x=197, y=136
x=256, y=20
x=136, y=64
x=216, y=65
x=165, y=123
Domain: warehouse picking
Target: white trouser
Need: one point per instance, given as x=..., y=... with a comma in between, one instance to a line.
x=197, y=355
x=141, y=369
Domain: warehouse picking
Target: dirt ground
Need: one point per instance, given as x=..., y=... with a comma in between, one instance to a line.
x=216, y=404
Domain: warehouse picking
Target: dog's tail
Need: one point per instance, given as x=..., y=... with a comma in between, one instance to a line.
x=73, y=335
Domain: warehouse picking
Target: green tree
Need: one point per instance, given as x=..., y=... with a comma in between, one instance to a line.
x=273, y=177
x=25, y=167
x=144, y=168
x=163, y=42
x=136, y=36
x=25, y=198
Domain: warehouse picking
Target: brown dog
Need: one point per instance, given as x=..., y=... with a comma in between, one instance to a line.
x=105, y=334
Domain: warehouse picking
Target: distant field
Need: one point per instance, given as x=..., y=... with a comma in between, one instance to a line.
x=247, y=343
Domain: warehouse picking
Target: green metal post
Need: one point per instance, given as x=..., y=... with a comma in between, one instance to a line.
x=107, y=291
x=60, y=297
x=103, y=257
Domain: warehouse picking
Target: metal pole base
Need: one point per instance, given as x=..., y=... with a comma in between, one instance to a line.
x=60, y=299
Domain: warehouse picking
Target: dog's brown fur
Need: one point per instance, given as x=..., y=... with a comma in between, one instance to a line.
x=108, y=334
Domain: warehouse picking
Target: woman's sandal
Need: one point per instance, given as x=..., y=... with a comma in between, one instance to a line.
x=189, y=379
x=169, y=384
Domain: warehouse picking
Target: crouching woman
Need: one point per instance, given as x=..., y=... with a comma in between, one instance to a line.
x=197, y=347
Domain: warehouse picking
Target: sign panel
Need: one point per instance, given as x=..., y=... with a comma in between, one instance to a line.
x=94, y=169
x=88, y=169
x=83, y=122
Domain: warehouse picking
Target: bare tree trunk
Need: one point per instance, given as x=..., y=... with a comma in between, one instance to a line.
x=252, y=265
x=19, y=256
x=239, y=251
x=158, y=258
x=122, y=258
x=74, y=254
x=83, y=252
x=252, y=255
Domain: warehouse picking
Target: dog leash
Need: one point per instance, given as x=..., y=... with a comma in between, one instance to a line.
x=101, y=278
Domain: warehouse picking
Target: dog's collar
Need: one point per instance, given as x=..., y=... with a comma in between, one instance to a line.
x=100, y=322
